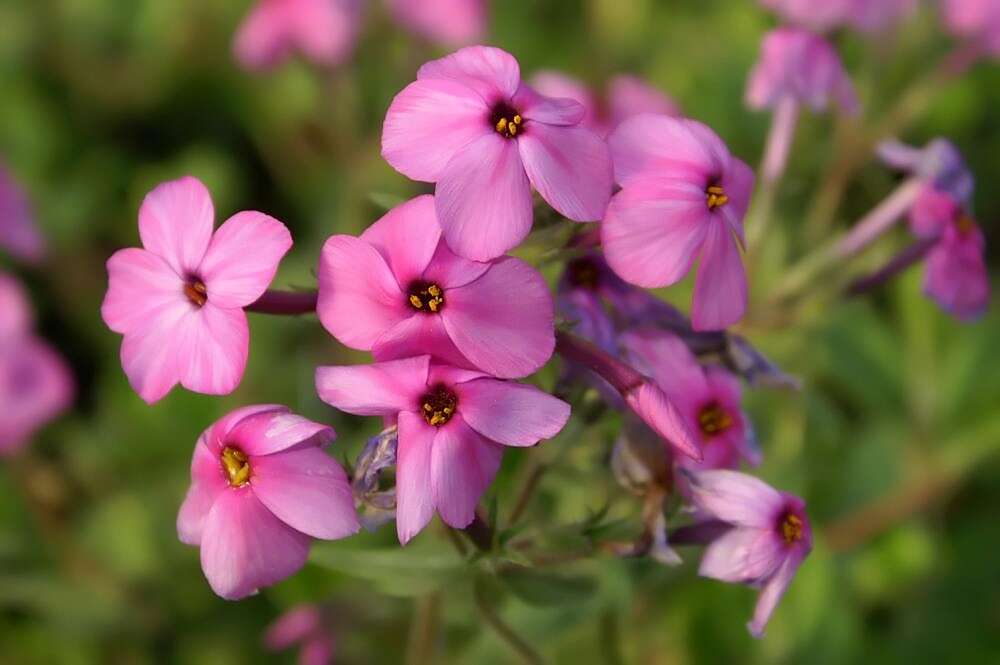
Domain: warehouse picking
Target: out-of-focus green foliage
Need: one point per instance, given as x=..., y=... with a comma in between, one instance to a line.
x=893, y=442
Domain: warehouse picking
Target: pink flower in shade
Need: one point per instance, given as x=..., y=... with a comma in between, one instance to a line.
x=324, y=31
x=799, y=65
x=468, y=124
x=399, y=291
x=769, y=538
x=708, y=398
x=261, y=489
x=879, y=15
x=302, y=625
x=821, y=15
x=453, y=424
x=451, y=22
x=35, y=383
x=977, y=20
x=179, y=301
x=956, y=277
x=18, y=233
x=683, y=197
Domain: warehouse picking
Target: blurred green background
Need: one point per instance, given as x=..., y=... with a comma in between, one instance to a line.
x=893, y=442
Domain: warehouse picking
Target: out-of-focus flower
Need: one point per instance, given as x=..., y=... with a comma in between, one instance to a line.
x=468, y=124
x=179, y=301
x=975, y=20
x=708, y=398
x=875, y=16
x=769, y=538
x=449, y=22
x=399, y=291
x=302, y=625
x=683, y=197
x=324, y=31
x=35, y=383
x=18, y=233
x=261, y=489
x=866, y=15
x=453, y=424
x=939, y=163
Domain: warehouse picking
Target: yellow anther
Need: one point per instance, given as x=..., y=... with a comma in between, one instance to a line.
x=713, y=419
x=434, y=290
x=791, y=528
x=517, y=120
x=236, y=466
x=502, y=125
x=416, y=302
x=715, y=197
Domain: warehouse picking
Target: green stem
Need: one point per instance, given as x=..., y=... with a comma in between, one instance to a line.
x=424, y=629
x=505, y=632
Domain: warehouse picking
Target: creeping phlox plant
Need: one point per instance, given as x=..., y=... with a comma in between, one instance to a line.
x=455, y=325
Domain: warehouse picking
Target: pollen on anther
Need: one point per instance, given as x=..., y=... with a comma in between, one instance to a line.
x=791, y=528
x=196, y=292
x=715, y=197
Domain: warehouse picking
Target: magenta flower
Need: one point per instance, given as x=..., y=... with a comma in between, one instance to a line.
x=179, y=301
x=708, y=398
x=261, y=489
x=450, y=22
x=35, y=383
x=453, y=424
x=975, y=20
x=469, y=125
x=399, y=291
x=769, y=538
x=683, y=197
x=18, y=233
x=302, y=625
x=322, y=30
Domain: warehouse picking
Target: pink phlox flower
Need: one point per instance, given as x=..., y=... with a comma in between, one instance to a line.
x=939, y=162
x=803, y=66
x=469, y=125
x=821, y=15
x=399, y=291
x=179, y=301
x=453, y=425
x=302, y=625
x=18, y=234
x=977, y=20
x=324, y=31
x=262, y=488
x=769, y=538
x=449, y=22
x=683, y=197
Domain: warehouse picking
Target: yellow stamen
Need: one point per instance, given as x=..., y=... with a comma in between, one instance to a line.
x=196, y=292
x=416, y=302
x=502, y=125
x=423, y=294
x=236, y=466
x=716, y=197
x=713, y=419
x=438, y=406
x=791, y=528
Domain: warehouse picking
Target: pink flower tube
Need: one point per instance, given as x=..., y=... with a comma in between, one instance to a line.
x=324, y=31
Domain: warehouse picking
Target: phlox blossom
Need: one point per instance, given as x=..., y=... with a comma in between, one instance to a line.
x=324, y=31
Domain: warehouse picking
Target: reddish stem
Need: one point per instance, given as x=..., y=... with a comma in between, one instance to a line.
x=286, y=303
x=621, y=376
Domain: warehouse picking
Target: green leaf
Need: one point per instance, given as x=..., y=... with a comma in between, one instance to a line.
x=547, y=589
x=405, y=572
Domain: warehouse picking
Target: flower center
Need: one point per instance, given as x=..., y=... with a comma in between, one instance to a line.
x=426, y=297
x=791, y=528
x=236, y=465
x=715, y=197
x=965, y=223
x=583, y=273
x=713, y=419
x=196, y=292
x=506, y=121
x=438, y=406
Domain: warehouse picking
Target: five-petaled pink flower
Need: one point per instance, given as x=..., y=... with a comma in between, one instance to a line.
x=683, y=197
x=399, y=291
x=976, y=20
x=303, y=625
x=468, y=124
x=453, y=424
x=956, y=277
x=769, y=538
x=18, y=233
x=261, y=489
x=324, y=31
x=35, y=383
x=451, y=22
x=179, y=301
x=708, y=398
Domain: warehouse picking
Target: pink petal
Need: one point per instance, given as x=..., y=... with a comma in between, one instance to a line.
x=772, y=592
x=957, y=278
x=15, y=311
x=264, y=37
x=406, y=237
x=449, y=270
x=270, y=432
x=326, y=30
x=245, y=547
x=493, y=73
x=743, y=556
x=149, y=353
x=570, y=167
x=307, y=490
x=666, y=358
x=216, y=436
x=212, y=347
x=379, y=389
x=648, y=144
x=414, y=494
x=630, y=96
x=736, y=498
x=463, y=464
x=556, y=85
x=452, y=376
x=559, y=110
x=359, y=298
x=428, y=123
x=141, y=287
x=207, y=482
x=484, y=199
x=514, y=414
x=35, y=387
x=453, y=22
x=503, y=321
x=737, y=182
x=18, y=233
x=175, y=223
x=650, y=404
x=243, y=258
x=317, y=651
x=418, y=335
x=293, y=626
x=720, y=287
x=653, y=230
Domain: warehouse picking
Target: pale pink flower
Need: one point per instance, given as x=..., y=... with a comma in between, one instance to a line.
x=449, y=22
x=469, y=125
x=398, y=291
x=18, y=234
x=453, y=424
x=876, y=16
x=179, y=301
x=866, y=15
x=683, y=197
x=261, y=489
x=975, y=20
x=769, y=538
x=302, y=625
x=323, y=31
